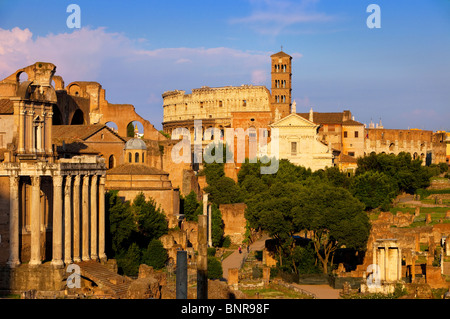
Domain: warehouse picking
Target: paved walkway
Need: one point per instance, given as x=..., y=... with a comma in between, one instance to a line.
x=321, y=291
x=235, y=261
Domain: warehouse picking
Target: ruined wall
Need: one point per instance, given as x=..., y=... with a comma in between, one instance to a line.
x=24, y=278
x=234, y=221
x=418, y=143
x=7, y=128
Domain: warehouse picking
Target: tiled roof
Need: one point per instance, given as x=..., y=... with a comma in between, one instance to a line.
x=82, y=132
x=74, y=146
x=344, y=158
x=280, y=54
x=135, y=169
x=329, y=118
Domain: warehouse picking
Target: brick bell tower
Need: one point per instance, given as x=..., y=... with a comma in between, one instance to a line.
x=281, y=84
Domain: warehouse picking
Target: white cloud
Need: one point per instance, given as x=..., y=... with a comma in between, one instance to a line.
x=274, y=16
x=259, y=77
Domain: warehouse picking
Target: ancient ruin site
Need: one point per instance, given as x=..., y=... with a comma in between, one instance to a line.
x=225, y=191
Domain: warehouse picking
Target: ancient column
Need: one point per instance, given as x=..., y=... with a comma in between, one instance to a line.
x=205, y=204
x=94, y=218
x=202, y=259
x=210, y=225
x=68, y=220
x=35, y=222
x=48, y=132
x=85, y=219
x=13, y=221
x=57, y=222
x=22, y=113
x=101, y=219
x=29, y=139
x=76, y=218
x=181, y=275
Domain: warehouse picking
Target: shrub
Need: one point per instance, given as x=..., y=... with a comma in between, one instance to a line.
x=226, y=241
x=215, y=270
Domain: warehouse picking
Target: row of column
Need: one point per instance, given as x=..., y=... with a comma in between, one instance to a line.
x=78, y=219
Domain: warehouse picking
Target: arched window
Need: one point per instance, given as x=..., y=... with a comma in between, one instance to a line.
x=129, y=157
x=136, y=157
x=142, y=157
x=111, y=161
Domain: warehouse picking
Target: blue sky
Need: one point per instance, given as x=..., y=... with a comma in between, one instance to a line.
x=139, y=49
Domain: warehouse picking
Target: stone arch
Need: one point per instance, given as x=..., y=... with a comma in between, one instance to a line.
x=415, y=155
x=77, y=118
x=74, y=89
x=22, y=76
x=57, y=118
x=140, y=128
x=113, y=126
x=391, y=147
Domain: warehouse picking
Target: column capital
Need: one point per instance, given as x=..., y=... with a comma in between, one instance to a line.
x=35, y=179
x=85, y=180
x=14, y=181
x=76, y=180
x=57, y=180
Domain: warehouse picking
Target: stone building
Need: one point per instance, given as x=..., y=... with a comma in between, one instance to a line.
x=52, y=203
x=298, y=141
x=254, y=109
x=427, y=145
x=340, y=131
x=134, y=177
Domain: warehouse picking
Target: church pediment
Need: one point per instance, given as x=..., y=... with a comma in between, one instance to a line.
x=293, y=120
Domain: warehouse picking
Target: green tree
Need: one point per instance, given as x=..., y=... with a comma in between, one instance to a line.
x=335, y=218
x=130, y=130
x=151, y=222
x=155, y=255
x=374, y=189
x=409, y=174
x=121, y=222
x=131, y=229
x=217, y=226
x=223, y=191
x=190, y=206
x=128, y=260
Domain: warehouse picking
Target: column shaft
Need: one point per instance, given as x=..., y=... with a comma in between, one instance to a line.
x=85, y=218
x=94, y=218
x=76, y=218
x=68, y=220
x=35, y=222
x=13, y=221
x=101, y=218
x=57, y=221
